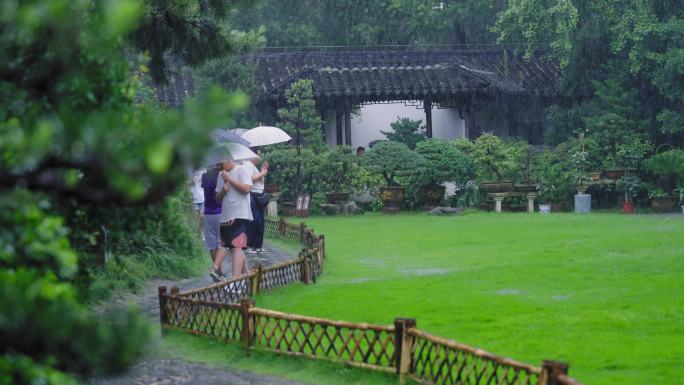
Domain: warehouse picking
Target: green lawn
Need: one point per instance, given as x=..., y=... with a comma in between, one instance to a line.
x=604, y=292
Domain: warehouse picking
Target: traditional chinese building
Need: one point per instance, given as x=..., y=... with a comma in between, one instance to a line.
x=455, y=93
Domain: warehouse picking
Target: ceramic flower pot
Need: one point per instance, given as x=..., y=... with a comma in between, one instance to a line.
x=391, y=197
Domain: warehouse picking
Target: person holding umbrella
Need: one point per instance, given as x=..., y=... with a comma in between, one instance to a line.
x=258, y=201
x=212, y=214
x=233, y=186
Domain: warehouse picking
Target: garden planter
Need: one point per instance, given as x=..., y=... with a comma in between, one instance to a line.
x=391, y=197
x=271, y=188
x=628, y=207
x=433, y=194
x=545, y=209
x=583, y=203
x=595, y=176
x=560, y=207
x=526, y=187
x=289, y=208
x=662, y=205
x=497, y=187
x=337, y=197
x=614, y=174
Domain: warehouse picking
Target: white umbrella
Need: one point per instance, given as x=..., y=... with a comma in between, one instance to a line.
x=265, y=135
x=227, y=151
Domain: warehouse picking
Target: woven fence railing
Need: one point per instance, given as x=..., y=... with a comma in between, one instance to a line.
x=226, y=311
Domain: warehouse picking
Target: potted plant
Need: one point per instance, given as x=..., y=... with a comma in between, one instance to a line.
x=661, y=202
x=443, y=163
x=630, y=185
x=527, y=186
x=494, y=165
x=392, y=160
x=669, y=166
x=336, y=172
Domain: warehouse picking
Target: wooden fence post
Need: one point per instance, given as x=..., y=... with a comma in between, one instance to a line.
x=321, y=247
x=163, y=318
x=281, y=227
x=245, y=305
x=550, y=372
x=404, y=343
x=256, y=281
x=302, y=232
x=306, y=268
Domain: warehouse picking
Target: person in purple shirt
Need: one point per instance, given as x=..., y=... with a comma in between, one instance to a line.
x=212, y=215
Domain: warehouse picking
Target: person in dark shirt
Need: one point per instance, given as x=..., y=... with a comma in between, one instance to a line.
x=212, y=214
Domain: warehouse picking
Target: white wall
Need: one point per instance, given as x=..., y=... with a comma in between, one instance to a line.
x=373, y=118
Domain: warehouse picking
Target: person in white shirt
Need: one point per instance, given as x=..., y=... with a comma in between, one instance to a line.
x=232, y=190
x=255, y=230
x=197, y=197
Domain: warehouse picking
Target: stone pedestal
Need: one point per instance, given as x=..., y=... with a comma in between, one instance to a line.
x=498, y=198
x=272, y=208
x=530, y=202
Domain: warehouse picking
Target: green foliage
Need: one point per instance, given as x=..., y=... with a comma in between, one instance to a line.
x=338, y=166
x=631, y=185
x=406, y=131
x=370, y=22
x=194, y=31
x=539, y=24
x=72, y=133
x=48, y=330
x=444, y=162
x=657, y=193
x=495, y=159
x=393, y=159
x=667, y=163
x=300, y=118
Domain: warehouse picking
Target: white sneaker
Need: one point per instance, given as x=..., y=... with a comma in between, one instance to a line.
x=250, y=251
x=260, y=251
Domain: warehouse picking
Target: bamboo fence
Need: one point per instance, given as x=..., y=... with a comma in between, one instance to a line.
x=226, y=311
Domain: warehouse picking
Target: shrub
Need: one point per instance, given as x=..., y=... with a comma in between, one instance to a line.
x=406, y=131
x=444, y=163
x=495, y=159
x=392, y=160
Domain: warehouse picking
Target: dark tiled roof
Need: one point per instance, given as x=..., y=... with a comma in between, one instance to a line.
x=405, y=74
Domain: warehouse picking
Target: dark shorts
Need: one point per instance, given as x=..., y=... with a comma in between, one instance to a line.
x=234, y=236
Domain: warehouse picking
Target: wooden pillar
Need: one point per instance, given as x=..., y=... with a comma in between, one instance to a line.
x=347, y=128
x=471, y=122
x=404, y=343
x=162, y=305
x=550, y=372
x=247, y=326
x=338, y=128
x=256, y=281
x=427, y=106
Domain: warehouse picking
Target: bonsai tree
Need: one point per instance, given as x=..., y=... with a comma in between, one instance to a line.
x=493, y=160
x=406, y=131
x=393, y=159
x=668, y=164
x=443, y=163
x=337, y=167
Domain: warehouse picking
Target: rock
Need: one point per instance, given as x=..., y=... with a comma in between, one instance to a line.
x=329, y=209
x=446, y=211
x=351, y=208
x=341, y=208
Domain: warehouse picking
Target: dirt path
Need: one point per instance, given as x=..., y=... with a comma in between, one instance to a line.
x=154, y=370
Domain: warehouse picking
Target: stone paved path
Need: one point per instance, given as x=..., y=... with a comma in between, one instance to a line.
x=153, y=370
